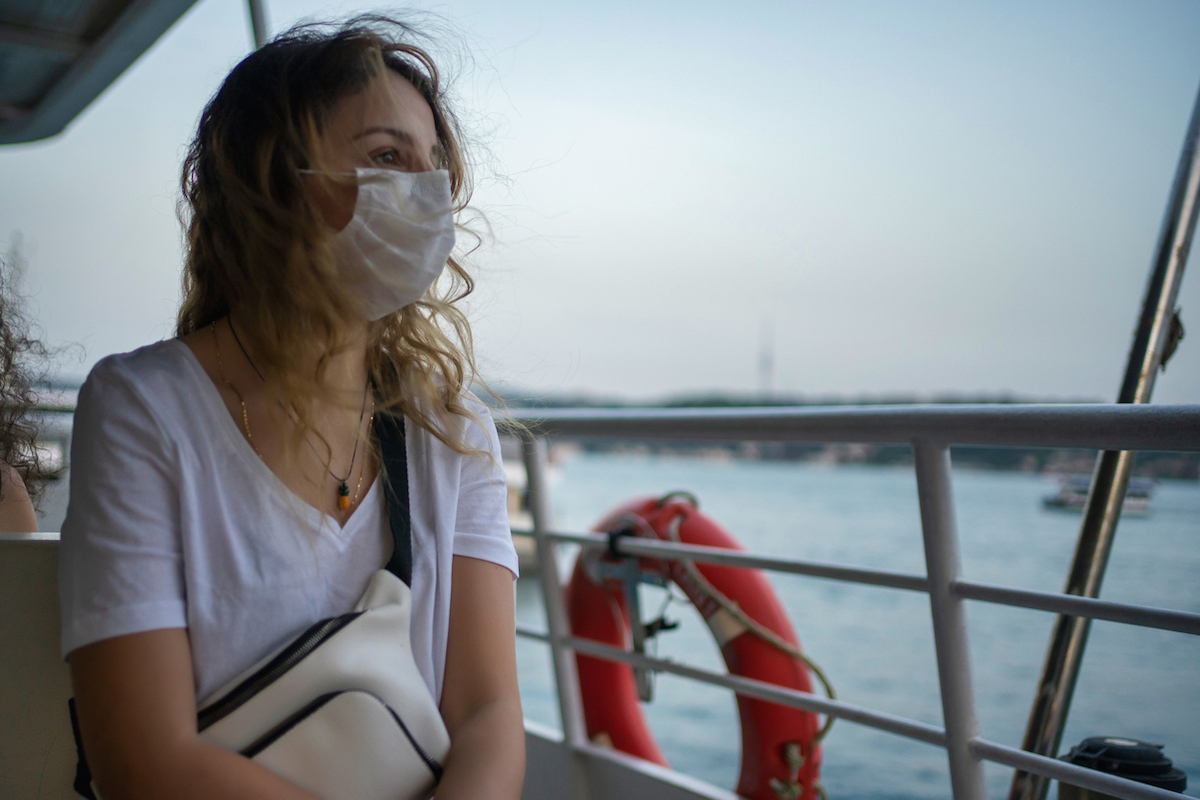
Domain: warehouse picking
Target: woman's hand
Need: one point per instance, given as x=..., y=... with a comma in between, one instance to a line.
x=135, y=698
x=480, y=700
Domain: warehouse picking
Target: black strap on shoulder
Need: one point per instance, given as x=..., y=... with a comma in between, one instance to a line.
x=389, y=429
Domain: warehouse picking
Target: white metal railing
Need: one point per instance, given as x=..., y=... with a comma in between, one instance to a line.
x=930, y=430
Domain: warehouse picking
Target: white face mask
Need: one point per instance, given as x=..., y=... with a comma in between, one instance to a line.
x=399, y=239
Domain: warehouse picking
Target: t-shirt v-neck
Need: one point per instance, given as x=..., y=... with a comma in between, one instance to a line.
x=224, y=421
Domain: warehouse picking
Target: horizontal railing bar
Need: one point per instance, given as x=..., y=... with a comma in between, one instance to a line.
x=769, y=692
x=53, y=408
x=1069, y=773
x=1145, y=616
x=1073, y=605
x=41, y=537
x=530, y=633
x=1106, y=427
x=734, y=558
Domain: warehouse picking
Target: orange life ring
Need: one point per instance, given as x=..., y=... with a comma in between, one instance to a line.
x=781, y=752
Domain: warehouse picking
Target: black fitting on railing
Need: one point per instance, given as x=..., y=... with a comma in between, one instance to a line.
x=657, y=626
x=614, y=535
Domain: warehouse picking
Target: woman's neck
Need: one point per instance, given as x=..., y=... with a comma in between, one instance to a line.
x=345, y=371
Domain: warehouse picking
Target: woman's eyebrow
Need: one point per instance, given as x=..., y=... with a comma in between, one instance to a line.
x=395, y=133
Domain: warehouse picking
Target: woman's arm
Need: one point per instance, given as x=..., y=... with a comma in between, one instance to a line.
x=16, y=509
x=121, y=570
x=135, y=699
x=480, y=700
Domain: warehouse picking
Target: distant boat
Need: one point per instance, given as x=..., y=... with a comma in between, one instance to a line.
x=1073, y=491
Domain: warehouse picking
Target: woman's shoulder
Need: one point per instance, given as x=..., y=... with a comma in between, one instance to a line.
x=153, y=368
x=155, y=383
x=473, y=426
x=479, y=427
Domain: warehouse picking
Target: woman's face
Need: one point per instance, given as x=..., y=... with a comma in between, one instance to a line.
x=387, y=125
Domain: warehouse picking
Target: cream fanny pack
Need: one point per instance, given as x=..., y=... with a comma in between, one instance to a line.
x=341, y=710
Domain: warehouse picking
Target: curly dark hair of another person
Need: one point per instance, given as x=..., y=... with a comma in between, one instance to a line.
x=22, y=360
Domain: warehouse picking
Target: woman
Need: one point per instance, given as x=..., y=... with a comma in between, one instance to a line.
x=226, y=489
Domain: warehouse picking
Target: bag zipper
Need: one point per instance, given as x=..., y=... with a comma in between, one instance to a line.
x=287, y=658
x=270, y=737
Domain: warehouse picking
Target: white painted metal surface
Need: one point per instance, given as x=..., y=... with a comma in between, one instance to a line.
x=1107, y=427
x=37, y=750
x=1180, y=621
x=608, y=773
x=943, y=565
x=566, y=679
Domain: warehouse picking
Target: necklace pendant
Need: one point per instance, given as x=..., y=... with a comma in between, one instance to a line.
x=343, y=496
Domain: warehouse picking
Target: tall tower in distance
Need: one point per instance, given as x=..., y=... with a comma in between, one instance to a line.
x=766, y=361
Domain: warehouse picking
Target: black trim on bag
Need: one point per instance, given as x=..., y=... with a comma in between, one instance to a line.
x=301, y=647
x=433, y=765
x=270, y=737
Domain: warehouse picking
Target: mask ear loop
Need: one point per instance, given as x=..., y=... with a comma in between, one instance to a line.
x=328, y=172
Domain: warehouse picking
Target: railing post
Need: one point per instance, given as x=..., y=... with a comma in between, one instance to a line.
x=566, y=677
x=943, y=566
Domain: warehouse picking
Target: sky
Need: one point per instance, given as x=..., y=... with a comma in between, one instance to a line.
x=915, y=198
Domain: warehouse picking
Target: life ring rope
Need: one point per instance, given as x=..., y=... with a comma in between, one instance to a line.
x=733, y=609
x=781, y=744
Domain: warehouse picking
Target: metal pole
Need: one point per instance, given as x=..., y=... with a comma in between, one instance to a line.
x=258, y=23
x=1157, y=331
x=943, y=566
x=566, y=677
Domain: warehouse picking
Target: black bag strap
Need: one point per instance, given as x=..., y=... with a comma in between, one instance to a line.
x=83, y=776
x=389, y=429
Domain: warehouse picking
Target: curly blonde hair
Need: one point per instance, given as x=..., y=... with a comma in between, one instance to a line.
x=258, y=247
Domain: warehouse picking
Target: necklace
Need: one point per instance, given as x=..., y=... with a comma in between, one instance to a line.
x=343, y=489
x=232, y=388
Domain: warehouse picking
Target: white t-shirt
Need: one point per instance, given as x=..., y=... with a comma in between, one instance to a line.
x=174, y=522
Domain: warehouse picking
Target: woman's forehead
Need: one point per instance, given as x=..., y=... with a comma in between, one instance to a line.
x=388, y=105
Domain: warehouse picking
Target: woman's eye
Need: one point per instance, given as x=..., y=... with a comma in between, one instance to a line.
x=392, y=158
